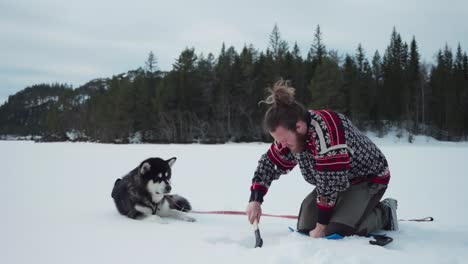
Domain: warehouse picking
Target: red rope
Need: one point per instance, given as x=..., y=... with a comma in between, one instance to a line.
x=242, y=213
x=425, y=219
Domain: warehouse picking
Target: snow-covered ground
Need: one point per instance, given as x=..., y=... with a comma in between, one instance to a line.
x=57, y=207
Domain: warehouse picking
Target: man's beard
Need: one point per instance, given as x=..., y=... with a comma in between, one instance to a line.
x=300, y=143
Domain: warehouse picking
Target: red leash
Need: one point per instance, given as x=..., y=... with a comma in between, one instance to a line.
x=242, y=213
x=425, y=219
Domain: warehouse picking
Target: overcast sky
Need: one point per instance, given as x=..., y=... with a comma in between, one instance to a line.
x=48, y=41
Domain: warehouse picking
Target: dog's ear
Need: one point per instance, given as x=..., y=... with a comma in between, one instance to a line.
x=145, y=167
x=171, y=161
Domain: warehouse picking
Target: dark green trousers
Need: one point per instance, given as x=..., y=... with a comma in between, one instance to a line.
x=358, y=211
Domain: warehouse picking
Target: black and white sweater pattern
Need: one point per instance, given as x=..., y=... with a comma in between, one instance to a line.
x=337, y=155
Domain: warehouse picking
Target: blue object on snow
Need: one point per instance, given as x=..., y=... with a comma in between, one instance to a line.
x=331, y=237
x=334, y=237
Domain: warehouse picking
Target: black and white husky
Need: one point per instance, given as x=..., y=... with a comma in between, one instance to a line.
x=145, y=190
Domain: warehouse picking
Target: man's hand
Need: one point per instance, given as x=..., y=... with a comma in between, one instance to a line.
x=254, y=211
x=318, y=232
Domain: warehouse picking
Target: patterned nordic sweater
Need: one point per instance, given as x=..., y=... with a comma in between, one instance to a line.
x=337, y=154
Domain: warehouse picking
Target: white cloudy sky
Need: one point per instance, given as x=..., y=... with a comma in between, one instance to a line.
x=45, y=41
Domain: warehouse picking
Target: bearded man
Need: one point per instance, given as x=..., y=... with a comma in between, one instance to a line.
x=349, y=171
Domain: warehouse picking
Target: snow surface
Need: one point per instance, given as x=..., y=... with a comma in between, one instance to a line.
x=58, y=208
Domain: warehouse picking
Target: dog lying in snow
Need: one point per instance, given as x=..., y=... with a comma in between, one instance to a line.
x=145, y=190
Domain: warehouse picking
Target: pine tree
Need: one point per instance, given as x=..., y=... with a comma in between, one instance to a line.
x=465, y=65
x=442, y=94
x=296, y=52
x=376, y=90
x=437, y=95
x=360, y=58
x=465, y=94
x=394, y=63
x=357, y=77
x=450, y=109
x=187, y=95
x=318, y=50
x=151, y=63
x=414, y=103
x=278, y=46
x=205, y=70
x=223, y=86
x=299, y=76
x=365, y=86
x=458, y=107
x=315, y=56
x=250, y=96
x=350, y=83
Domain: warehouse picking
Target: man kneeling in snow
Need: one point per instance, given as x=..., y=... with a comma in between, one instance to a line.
x=350, y=173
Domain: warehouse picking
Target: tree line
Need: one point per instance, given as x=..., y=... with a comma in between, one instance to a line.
x=212, y=99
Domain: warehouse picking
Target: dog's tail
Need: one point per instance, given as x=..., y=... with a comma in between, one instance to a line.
x=179, y=203
x=116, y=188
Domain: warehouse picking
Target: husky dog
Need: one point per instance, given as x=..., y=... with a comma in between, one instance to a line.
x=145, y=190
